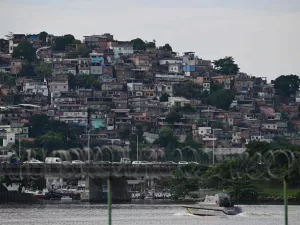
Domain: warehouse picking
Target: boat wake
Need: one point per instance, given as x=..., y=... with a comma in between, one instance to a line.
x=183, y=213
x=259, y=214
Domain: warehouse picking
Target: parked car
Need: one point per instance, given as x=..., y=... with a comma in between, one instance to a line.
x=183, y=163
x=77, y=162
x=102, y=163
x=53, y=160
x=169, y=163
x=141, y=163
x=33, y=161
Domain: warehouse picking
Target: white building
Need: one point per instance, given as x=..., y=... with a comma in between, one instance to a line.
x=178, y=101
x=170, y=61
x=175, y=68
x=258, y=138
x=122, y=49
x=7, y=137
x=204, y=130
x=36, y=87
x=58, y=84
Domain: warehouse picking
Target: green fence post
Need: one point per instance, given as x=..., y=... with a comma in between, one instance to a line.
x=109, y=199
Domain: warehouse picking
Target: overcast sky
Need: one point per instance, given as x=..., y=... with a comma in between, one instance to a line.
x=262, y=35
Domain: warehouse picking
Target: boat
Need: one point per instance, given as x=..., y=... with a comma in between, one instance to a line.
x=216, y=205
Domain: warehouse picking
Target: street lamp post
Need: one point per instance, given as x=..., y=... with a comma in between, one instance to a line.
x=88, y=146
x=137, y=146
x=213, y=146
x=19, y=148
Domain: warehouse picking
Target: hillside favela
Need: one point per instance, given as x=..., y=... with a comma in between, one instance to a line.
x=130, y=124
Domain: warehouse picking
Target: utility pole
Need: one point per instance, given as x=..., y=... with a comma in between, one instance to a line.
x=19, y=148
x=137, y=146
x=285, y=201
x=213, y=157
x=88, y=146
x=109, y=193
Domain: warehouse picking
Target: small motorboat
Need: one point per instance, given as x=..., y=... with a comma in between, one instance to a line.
x=217, y=205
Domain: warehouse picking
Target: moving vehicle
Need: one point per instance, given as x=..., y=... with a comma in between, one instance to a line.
x=169, y=163
x=103, y=163
x=125, y=161
x=77, y=162
x=33, y=161
x=53, y=160
x=141, y=163
x=219, y=204
x=183, y=163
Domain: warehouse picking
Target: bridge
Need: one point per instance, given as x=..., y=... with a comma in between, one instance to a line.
x=95, y=175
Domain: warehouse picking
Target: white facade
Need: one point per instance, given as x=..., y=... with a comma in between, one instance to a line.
x=204, y=130
x=269, y=126
x=11, y=46
x=236, y=137
x=258, y=138
x=36, y=88
x=17, y=130
x=169, y=76
x=58, y=85
x=170, y=61
x=84, y=72
x=206, y=87
x=178, y=101
x=122, y=50
x=174, y=68
x=8, y=138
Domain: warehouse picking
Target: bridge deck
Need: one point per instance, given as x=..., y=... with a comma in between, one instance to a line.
x=79, y=170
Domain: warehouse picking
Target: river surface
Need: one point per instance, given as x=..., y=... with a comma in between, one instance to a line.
x=153, y=213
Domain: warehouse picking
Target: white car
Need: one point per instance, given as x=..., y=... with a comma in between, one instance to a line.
x=141, y=163
x=77, y=162
x=183, y=163
x=33, y=161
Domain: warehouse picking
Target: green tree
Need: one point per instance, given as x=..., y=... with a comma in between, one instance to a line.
x=173, y=117
x=27, y=70
x=24, y=50
x=82, y=51
x=125, y=132
x=43, y=70
x=188, y=109
x=189, y=90
x=242, y=190
x=258, y=147
x=166, y=47
x=37, y=123
x=138, y=44
x=164, y=97
x=226, y=66
x=221, y=99
x=151, y=44
x=51, y=141
x=287, y=85
x=60, y=43
x=166, y=137
x=42, y=37
x=181, y=184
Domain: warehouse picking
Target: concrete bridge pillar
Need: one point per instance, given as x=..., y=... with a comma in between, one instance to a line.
x=96, y=190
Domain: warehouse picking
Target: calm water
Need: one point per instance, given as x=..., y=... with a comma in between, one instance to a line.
x=135, y=214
